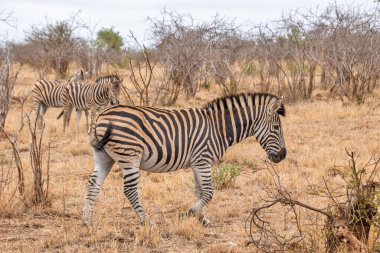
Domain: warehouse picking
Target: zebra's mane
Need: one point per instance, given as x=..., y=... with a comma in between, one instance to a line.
x=107, y=77
x=223, y=101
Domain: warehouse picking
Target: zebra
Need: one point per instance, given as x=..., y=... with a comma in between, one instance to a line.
x=80, y=76
x=49, y=94
x=99, y=80
x=88, y=96
x=162, y=140
x=108, y=79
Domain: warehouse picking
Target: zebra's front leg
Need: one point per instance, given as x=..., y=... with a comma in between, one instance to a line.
x=42, y=108
x=66, y=116
x=92, y=117
x=87, y=125
x=103, y=165
x=78, y=118
x=203, y=191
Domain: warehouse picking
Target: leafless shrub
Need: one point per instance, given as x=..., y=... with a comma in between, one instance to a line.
x=16, y=154
x=5, y=183
x=22, y=97
x=190, y=52
x=88, y=55
x=350, y=215
x=351, y=49
x=7, y=83
x=55, y=44
x=41, y=177
x=41, y=182
x=28, y=54
x=227, y=52
x=7, y=17
x=340, y=41
x=142, y=73
x=182, y=48
x=281, y=61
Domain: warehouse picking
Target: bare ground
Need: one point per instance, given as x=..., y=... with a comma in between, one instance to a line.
x=316, y=133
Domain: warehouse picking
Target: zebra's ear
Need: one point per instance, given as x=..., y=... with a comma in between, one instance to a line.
x=81, y=74
x=274, y=106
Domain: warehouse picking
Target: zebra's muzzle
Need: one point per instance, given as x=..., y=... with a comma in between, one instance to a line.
x=276, y=158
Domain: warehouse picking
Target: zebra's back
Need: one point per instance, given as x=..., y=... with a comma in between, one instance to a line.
x=167, y=139
x=82, y=95
x=49, y=93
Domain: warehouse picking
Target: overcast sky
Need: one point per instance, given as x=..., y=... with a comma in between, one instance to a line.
x=127, y=15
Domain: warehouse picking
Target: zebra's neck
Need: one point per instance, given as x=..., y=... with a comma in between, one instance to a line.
x=237, y=117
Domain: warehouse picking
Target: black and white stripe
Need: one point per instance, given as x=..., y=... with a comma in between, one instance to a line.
x=108, y=79
x=89, y=96
x=159, y=140
x=47, y=94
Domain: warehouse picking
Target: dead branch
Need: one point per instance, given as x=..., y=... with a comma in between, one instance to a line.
x=7, y=83
x=346, y=222
x=36, y=161
x=145, y=72
x=20, y=170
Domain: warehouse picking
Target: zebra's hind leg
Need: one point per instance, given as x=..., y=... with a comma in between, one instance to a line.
x=203, y=191
x=87, y=125
x=130, y=165
x=66, y=116
x=103, y=165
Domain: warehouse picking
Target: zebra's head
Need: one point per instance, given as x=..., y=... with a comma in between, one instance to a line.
x=115, y=86
x=79, y=76
x=269, y=130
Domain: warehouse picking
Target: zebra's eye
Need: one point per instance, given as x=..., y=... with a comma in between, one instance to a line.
x=276, y=127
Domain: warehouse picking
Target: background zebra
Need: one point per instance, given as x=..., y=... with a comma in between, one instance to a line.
x=159, y=140
x=108, y=79
x=89, y=96
x=100, y=80
x=80, y=76
x=49, y=94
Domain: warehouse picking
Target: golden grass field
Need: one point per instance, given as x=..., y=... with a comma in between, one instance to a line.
x=316, y=134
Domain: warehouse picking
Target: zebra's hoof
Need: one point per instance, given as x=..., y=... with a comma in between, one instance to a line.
x=201, y=217
x=147, y=222
x=194, y=212
x=205, y=222
x=182, y=216
x=85, y=223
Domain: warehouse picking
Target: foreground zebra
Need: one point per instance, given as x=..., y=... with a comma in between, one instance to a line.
x=89, y=96
x=159, y=140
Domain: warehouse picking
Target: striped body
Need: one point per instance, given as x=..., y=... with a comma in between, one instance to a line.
x=159, y=140
x=48, y=93
x=108, y=79
x=88, y=96
x=84, y=96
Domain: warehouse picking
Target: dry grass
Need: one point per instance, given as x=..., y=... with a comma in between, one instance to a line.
x=316, y=133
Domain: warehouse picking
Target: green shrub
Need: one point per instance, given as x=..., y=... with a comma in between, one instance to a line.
x=205, y=85
x=224, y=175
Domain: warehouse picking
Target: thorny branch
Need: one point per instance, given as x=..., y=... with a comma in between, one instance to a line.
x=346, y=221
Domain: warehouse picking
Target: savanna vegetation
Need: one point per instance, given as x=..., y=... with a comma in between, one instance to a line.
x=323, y=197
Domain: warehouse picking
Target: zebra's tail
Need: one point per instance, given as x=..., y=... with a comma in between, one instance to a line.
x=99, y=144
x=60, y=115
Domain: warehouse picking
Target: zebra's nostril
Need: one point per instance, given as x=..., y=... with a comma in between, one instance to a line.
x=282, y=153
